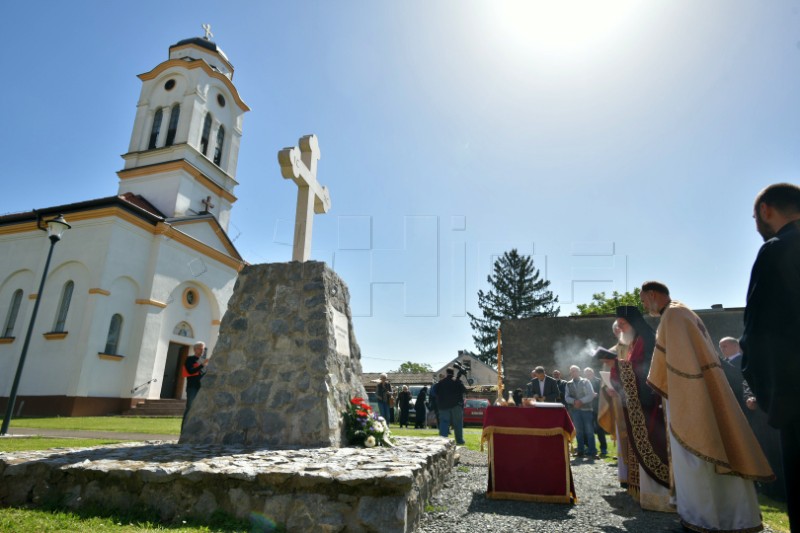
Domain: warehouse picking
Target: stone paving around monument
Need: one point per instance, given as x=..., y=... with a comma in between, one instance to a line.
x=324, y=489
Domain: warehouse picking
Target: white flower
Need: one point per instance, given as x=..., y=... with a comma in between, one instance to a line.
x=370, y=442
x=378, y=427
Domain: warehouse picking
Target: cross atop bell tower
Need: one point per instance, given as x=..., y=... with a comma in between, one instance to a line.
x=185, y=142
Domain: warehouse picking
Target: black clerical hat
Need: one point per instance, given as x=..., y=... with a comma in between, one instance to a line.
x=628, y=312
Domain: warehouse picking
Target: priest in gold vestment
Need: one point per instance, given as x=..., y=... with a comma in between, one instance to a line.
x=714, y=455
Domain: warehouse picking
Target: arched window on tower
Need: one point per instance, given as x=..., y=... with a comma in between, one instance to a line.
x=172, y=129
x=63, y=307
x=220, y=143
x=159, y=116
x=114, y=332
x=13, y=311
x=205, y=135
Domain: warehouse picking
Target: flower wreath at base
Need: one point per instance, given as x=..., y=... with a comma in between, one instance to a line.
x=364, y=427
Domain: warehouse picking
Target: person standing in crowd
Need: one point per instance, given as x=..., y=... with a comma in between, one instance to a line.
x=384, y=392
x=647, y=458
x=432, y=403
x=579, y=396
x=541, y=387
x=732, y=366
x=517, y=397
x=713, y=453
x=392, y=402
x=404, y=402
x=770, y=440
x=597, y=383
x=767, y=436
x=771, y=339
x=194, y=368
x=450, y=398
x=610, y=415
x=419, y=409
x=562, y=385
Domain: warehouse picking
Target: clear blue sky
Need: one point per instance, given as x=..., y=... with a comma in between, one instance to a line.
x=615, y=141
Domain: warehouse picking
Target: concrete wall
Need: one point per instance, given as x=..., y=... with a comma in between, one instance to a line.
x=563, y=341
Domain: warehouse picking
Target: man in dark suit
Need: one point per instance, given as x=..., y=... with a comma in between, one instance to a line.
x=771, y=339
x=542, y=387
x=562, y=386
x=732, y=366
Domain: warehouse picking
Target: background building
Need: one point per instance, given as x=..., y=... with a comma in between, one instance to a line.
x=557, y=343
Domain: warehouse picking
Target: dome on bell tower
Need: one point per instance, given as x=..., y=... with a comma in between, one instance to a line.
x=205, y=49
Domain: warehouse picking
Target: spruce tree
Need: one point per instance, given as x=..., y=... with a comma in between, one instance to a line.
x=517, y=291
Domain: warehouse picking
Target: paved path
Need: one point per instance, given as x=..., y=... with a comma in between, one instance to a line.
x=81, y=434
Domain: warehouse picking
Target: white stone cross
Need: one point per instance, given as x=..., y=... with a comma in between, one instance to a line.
x=300, y=165
x=207, y=28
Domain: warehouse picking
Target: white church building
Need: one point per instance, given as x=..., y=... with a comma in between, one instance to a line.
x=142, y=275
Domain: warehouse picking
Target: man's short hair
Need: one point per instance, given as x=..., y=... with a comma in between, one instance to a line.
x=200, y=344
x=450, y=372
x=655, y=286
x=728, y=339
x=784, y=197
x=538, y=370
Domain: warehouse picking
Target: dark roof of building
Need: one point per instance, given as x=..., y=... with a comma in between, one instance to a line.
x=203, y=43
x=397, y=378
x=135, y=204
x=132, y=203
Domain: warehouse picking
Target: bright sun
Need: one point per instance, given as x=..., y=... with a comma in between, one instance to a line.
x=560, y=27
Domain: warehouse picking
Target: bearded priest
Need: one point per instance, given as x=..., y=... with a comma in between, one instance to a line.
x=714, y=455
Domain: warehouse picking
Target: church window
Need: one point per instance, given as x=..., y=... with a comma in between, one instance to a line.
x=63, y=307
x=114, y=331
x=172, y=129
x=190, y=297
x=183, y=329
x=169, y=85
x=220, y=142
x=155, y=129
x=206, y=134
x=221, y=100
x=13, y=310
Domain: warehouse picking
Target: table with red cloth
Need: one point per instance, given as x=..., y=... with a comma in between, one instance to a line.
x=529, y=454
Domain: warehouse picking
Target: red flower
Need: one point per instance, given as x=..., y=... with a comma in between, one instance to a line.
x=362, y=413
x=357, y=400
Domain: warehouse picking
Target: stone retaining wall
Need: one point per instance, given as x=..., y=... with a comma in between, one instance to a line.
x=324, y=489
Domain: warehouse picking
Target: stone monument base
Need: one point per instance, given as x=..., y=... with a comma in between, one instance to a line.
x=323, y=489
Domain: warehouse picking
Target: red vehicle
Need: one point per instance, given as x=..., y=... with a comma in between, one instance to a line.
x=474, y=409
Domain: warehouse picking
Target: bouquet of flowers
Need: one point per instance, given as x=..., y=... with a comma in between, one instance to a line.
x=365, y=428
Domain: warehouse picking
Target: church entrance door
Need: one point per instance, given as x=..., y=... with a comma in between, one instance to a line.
x=172, y=383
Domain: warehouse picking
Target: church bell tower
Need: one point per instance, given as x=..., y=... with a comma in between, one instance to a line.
x=185, y=143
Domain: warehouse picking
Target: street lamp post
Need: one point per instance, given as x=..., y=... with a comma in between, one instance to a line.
x=55, y=228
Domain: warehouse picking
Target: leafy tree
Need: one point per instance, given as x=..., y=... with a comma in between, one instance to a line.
x=517, y=291
x=602, y=305
x=410, y=367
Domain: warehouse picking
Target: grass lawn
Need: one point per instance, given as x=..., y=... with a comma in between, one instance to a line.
x=130, y=424
x=89, y=521
x=19, y=444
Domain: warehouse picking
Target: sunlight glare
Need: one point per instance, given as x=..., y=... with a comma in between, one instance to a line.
x=561, y=27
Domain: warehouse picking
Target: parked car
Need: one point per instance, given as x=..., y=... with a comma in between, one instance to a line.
x=412, y=414
x=474, y=409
